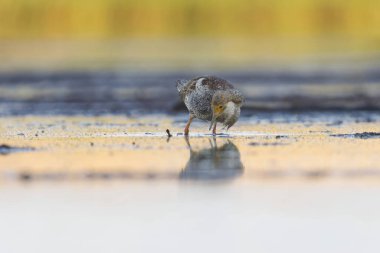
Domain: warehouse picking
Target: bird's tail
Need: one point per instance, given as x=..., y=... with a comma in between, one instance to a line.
x=180, y=84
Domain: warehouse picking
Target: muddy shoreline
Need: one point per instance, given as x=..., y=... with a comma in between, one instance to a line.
x=98, y=93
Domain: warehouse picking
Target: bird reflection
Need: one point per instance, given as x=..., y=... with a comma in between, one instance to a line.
x=214, y=163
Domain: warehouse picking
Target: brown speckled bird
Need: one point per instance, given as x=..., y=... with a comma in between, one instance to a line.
x=211, y=98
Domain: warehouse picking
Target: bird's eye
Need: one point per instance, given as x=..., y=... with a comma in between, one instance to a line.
x=220, y=106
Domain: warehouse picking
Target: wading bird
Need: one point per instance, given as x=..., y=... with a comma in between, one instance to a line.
x=212, y=99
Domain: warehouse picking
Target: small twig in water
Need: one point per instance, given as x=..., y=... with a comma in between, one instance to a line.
x=168, y=132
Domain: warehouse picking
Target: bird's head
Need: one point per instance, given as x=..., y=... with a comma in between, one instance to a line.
x=218, y=105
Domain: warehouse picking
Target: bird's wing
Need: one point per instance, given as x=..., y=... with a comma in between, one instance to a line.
x=185, y=88
x=214, y=83
x=202, y=83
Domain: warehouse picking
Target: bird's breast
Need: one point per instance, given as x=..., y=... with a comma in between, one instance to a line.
x=230, y=110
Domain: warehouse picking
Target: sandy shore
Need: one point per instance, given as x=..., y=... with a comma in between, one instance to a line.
x=119, y=147
x=303, y=181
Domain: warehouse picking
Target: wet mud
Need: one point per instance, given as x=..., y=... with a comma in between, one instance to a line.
x=365, y=135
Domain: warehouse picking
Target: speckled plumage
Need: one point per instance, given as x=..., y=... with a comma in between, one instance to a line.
x=198, y=93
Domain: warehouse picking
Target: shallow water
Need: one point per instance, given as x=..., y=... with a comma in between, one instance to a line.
x=92, y=183
x=167, y=216
x=86, y=163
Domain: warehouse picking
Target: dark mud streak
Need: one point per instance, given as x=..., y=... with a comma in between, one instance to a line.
x=267, y=144
x=27, y=176
x=281, y=137
x=6, y=149
x=317, y=174
x=365, y=135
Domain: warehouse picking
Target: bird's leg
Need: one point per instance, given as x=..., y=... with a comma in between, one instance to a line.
x=191, y=117
x=214, y=129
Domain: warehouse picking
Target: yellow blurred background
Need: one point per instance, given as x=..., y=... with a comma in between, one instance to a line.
x=182, y=34
x=183, y=18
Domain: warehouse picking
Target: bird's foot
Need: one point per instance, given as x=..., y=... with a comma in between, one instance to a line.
x=214, y=130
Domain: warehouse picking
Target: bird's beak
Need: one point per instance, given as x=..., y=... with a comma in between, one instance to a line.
x=215, y=114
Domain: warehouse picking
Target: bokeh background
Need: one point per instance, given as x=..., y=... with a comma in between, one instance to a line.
x=101, y=19
x=113, y=56
x=186, y=34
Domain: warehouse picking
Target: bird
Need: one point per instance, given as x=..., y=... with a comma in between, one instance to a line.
x=211, y=99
